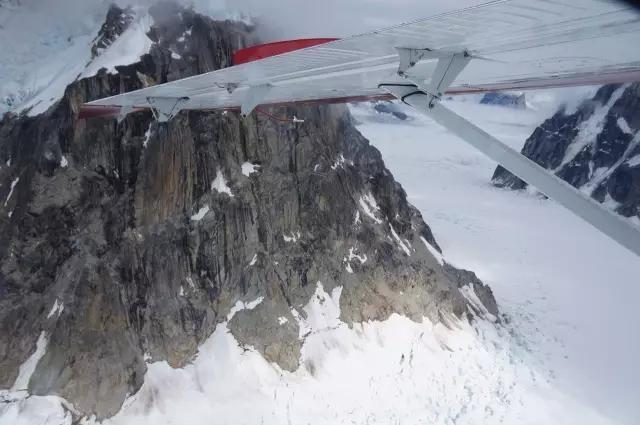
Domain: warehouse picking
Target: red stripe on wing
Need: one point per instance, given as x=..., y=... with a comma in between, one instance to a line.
x=95, y=111
x=262, y=51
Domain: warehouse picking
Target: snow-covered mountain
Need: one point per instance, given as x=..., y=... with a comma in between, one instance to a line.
x=53, y=45
x=50, y=44
x=594, y=146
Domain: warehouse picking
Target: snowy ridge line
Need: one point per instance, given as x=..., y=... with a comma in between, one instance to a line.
x=589, y=129
x=438, y=256
x=37, y=80
x=13, y=185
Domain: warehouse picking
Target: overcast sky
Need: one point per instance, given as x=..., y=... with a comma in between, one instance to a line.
x=331, y=18
x=278, y=18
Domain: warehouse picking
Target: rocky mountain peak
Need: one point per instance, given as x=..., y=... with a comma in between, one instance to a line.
x=116, y=22
x=595, y=148
x=123, y=243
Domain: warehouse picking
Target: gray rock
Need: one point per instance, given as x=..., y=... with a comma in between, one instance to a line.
x=604, y=162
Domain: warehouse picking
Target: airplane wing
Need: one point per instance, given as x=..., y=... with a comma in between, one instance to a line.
x=514, y=44
x=501, y=45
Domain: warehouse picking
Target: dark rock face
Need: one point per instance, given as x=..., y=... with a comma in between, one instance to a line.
x=147, y=234
x=597, y=148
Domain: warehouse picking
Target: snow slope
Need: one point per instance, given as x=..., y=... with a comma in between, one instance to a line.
x=570, y=292
x=396, y=371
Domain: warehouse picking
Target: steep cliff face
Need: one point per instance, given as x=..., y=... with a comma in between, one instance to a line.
x=122, y=243
x=595, y=148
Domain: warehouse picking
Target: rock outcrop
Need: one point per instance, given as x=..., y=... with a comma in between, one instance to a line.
x=117, y=21
x=123, y=243
x=595, y=148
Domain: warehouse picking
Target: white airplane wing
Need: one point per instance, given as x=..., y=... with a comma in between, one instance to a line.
x=515, y=44
x=501, y=45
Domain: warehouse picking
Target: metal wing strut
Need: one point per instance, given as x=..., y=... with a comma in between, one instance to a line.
x=603, y=219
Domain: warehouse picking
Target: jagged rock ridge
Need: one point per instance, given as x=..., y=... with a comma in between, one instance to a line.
x=122, y=243
x=595, y=148
x=117, y=21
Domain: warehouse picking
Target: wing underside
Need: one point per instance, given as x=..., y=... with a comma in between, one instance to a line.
x=514, y=44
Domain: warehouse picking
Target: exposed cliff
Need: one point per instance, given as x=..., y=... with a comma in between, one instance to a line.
x=122, y=243
x=595, y=148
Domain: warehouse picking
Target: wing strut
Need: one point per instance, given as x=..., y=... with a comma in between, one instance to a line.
x=608, y=222
x=165, y=108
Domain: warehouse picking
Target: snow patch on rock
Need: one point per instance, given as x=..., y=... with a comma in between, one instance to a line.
x=339, y=162
x=147, y=136
x=370, y=206
x=353, y=256
x=57, y=309
x=624, y=126
x=219, y=184
x=29, y=366
x=439, y=258
x=249, y=168
x=404, y=245
x=294, y=237
x=200, y=214
x=241, y=305
x=634, y=161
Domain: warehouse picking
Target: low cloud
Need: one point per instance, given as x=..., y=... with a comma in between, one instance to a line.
x=333, y=18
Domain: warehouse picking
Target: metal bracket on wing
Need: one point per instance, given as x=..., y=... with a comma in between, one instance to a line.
x=410, y=57
x=254, y=97
x=447, y=69
x=165, y=108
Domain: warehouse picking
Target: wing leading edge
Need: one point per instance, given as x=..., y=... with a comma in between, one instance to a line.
x=514, y=45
